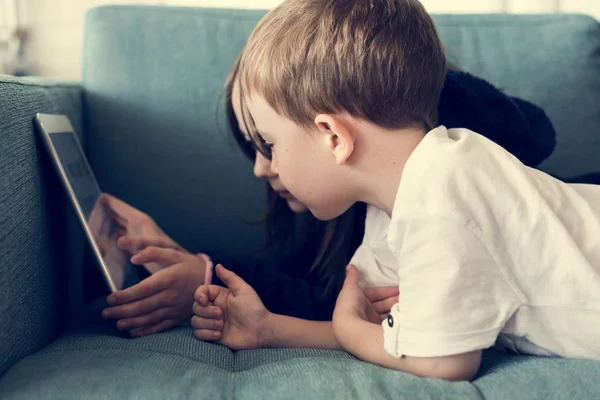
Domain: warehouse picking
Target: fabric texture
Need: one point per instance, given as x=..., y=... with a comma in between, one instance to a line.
x=39, y=279
x=515, y=124
x=375, y=261
x=90, y=361
x=486, y=245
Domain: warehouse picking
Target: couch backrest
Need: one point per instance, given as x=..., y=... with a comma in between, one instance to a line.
x=153, y=77
x=551, y=60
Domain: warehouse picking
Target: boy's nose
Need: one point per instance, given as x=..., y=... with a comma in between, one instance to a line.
x=262, y=167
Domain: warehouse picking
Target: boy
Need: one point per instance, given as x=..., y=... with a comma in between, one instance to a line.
x=342, y=95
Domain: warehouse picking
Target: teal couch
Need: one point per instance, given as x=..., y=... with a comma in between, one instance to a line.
x=146, y=111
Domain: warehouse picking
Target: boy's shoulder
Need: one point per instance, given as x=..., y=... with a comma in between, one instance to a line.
x=451, y=169
x=443, y=153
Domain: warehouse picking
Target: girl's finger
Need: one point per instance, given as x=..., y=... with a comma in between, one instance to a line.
x=207, y=335
x=207, y=323
x=137, y=308
x=120, y=232
x=201, y=295
x=206, y=294
x=231, y=279
x=150, y=330
x=118, y=206
x=160, y=255
x=210, y=311
x=146, y=288
x=141, y=321
x=135, y=244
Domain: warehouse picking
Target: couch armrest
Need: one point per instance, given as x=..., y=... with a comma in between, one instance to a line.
x=39, y=284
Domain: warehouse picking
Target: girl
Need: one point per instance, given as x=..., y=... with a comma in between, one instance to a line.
x=305, y=283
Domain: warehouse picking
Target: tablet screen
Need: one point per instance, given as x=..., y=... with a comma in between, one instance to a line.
x=99, y=218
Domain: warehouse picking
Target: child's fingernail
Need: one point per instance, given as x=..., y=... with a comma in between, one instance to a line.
x=216, y=334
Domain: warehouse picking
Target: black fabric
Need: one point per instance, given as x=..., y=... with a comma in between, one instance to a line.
x=517, y=125
x=287, y=287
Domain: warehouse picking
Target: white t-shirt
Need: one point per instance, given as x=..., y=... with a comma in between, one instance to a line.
x=373, y=258
x=378, y=268
x=484, y=245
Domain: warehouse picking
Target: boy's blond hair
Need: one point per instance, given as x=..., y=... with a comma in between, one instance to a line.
x=377, y=60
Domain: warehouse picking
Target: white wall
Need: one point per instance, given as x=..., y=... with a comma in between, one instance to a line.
x=56, y=26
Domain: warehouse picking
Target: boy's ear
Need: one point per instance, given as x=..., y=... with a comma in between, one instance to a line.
x=338, y=135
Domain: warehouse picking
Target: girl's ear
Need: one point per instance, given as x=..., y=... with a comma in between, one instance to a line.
x=338, y=135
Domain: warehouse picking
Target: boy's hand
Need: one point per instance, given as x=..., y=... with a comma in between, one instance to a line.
x=161, y=301
x=352, y=301
x=232, y=316
x=382, y=299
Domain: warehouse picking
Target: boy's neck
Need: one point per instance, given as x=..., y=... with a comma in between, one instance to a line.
x=381, y=160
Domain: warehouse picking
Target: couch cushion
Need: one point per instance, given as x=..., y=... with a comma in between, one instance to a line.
x=90, y=361
x=40, y=278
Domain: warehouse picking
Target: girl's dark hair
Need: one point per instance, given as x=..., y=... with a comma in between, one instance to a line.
x=329, y=244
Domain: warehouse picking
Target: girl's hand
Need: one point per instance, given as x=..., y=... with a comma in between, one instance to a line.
x=352, y=301
x=135, y=224
x=135, y=244
x=233, y=316
x=382, y=299
x=161, y=301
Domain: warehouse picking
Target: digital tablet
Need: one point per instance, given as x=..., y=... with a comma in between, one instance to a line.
x=99, y=223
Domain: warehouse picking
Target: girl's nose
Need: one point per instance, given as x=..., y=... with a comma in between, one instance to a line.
x=262, y=167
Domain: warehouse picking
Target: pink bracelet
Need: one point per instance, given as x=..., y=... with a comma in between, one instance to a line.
x=208, y=274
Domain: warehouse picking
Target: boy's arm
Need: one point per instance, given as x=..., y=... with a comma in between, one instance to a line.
x=364, y=340
x=358, y=334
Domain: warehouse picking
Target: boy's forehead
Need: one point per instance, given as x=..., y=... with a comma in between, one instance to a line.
x=262, y=114
x=252, y=110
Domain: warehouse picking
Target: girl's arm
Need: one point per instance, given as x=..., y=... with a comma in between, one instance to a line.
x=235, y=317
x=280, y=293
x=284, y=331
